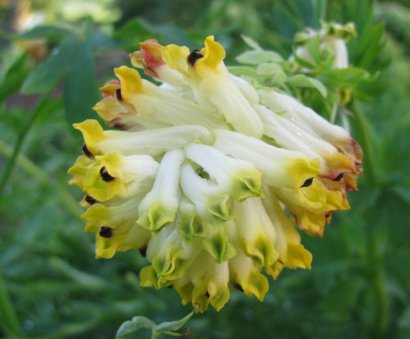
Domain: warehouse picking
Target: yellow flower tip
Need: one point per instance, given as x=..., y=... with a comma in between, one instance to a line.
x=298, y=257
x=213, y=53
x=275, y=269
x=338, y=164
x=303, y=170
x=92, y=133
x=257, y=285
x=110, y=87
x=105, y=248
x=350, y=181
x=131, y=83
x=112, y=162
x=149, y=57
x=148, y=277
x=218, y=296
x=185, y=291
x=261, y=251
x=176, y=57
x=200, y=303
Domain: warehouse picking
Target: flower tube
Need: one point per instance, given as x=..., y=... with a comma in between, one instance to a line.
x=160, y=205
x=237, y=177
x=152, y=142
x=210, y=201
x=280, y=167
x=210, y=79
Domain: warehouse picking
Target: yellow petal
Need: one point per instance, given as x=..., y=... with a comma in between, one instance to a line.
x=131, y=83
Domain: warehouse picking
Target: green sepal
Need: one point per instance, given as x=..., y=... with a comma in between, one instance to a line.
x=156, y=217
x=219, y=247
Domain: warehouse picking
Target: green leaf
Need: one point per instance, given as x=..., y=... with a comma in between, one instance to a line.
x=307, y=82
x=14, y=77
x=48, y=32
x=134, y=29
x=244, y=71
x=80, y=88
x=251, y=43
x=46, y=75
x=172, y=325
x=258, y=57
x=133, y=325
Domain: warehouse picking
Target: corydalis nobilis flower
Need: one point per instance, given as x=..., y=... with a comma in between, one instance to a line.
x=210, y=178
x=331, y=38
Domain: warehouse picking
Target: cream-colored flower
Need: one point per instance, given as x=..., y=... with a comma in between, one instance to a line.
x=211, y=178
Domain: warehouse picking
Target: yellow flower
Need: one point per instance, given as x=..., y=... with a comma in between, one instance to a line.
x=210, y=178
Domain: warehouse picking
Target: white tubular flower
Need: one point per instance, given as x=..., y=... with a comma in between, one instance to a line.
x=247, y=276
x=211, y=81
x=339, y=49
x=332, y=39
x=153, y=142
x=160, y=205
x=149, y=58
x=210, y=177
x=211, y=202
x=169, y=253
x=280, y=167
x=112, y=175
x=291, y=136
x=291, y=252
x=309, y=120
x=256, y=233
x=189, y=223
x=237, y=177
x=150, y=105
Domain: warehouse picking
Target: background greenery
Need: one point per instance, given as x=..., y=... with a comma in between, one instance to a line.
x=50, y=284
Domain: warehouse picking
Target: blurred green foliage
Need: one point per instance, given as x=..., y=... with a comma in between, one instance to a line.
x=50, y=284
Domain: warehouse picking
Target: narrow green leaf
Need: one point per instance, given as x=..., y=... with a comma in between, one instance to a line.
x=46, y=75
x=173, y=325
x=14, y=77
x=133, y=325
x=80, y=87
x=257, y=57
x=45, y=31
x=304, y=81
x=244, y=70
x=251, y=43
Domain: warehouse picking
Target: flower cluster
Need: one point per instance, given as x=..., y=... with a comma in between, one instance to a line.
x=210, y=177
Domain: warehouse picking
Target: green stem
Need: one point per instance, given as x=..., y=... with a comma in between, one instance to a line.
x=20, y=139
x=36, y=172
x=9, y=321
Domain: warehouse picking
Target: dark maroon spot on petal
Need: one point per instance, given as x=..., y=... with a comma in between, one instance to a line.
x=105, y=232
x=105, y=175
x=194, y=56
x=339, y=177
x=90, y=200
x=307, y=182
x=118, y=94
x=238, y=287
x=143, y=251
x=87, y=152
